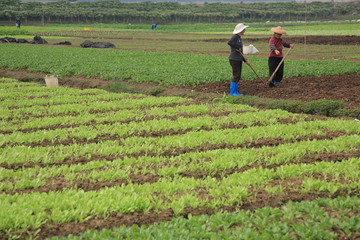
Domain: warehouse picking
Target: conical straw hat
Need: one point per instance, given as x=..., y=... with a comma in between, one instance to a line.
x=278, y=29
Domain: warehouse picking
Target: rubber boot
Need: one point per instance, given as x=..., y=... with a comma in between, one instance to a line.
x=234, y=89
x=277, y=82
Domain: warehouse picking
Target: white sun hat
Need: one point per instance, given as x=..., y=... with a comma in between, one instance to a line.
x=239, y=28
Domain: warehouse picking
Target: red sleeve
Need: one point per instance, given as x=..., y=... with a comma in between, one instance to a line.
x=272, y=40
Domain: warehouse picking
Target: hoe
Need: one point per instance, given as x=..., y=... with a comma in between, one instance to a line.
x=277, y=68
x=251, y=66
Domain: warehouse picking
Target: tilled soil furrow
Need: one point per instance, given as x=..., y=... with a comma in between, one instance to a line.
x=93, y=122
x=60, y=183
x=115, y=219
x=176, y=151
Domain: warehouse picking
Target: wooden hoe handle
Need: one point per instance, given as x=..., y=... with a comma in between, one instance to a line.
x=250, y=65
x=277, y=68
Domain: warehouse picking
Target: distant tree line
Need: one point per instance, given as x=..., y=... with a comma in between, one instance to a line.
x=115, y=11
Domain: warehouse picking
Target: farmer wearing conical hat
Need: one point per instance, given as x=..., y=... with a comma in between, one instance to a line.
x=276, y=44
x=236, y=58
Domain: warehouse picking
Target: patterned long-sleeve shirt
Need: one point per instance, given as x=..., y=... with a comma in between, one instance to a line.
x=277, y=44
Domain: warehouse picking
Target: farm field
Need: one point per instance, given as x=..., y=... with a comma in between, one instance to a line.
x=75, y=160
x=208, y=38
x=80, y=162
x=335, y=54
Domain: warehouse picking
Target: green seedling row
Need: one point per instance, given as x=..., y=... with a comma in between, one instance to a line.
x=123, y=130
x=98, y=106
x=209, y=162
x=125, y=115
x=156, y=145
x=231, y=170
x=76, y=205
x=236, y=136
x=24, y=90
x=304, y=220
x=67, y=99
x=165, y=68
x=25, y=118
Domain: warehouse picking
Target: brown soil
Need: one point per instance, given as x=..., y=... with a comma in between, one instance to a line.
x=313, y=39
x=345, y=87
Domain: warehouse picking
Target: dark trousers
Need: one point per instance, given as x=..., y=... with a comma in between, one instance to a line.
x=236, y=70
x=273, y=62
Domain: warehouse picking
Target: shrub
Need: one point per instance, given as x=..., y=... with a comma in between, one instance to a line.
x=342, y=112
x=319, y=107
x=288, y=105
x=155, y=91
x=188, y=94
x=31, y=79
x=323, y=107
x=121, y=87
x=247, y=100
x=356, y=113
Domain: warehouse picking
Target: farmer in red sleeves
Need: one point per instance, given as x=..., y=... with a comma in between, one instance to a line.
x=276, y=44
